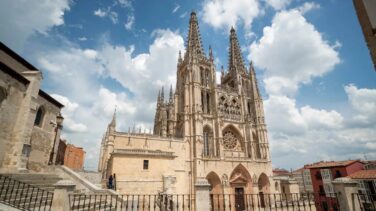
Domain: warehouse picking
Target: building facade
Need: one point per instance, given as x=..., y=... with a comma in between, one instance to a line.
x=203, y=132
x=304, y=180
x=74, y=157
x=323, y=174
x=30, y=120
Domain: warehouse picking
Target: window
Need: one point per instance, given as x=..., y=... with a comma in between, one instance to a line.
x=326, y=174
x=338, y=174
x=318, y=175
x=39, y=117
x=146, y=164
x=3, y=94
x=321, y=191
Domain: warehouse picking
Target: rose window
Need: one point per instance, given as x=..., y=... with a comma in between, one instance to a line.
x=230, y=140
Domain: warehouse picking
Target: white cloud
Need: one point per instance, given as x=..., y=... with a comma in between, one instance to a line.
x=278, y=4
x=82, y=38
x=113, y=16
x=100, y=13
x=68, y=113
x=308, y=6
x=176, y=8
x=363, y=101
x=292, y=52
x=130, y=22
x=225, y=13
x=20, y=19
x=108, y=101
x=78, y=73
x=314, y=134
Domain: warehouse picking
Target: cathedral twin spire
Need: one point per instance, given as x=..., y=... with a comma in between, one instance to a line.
x=194, y=44
x=235, y=63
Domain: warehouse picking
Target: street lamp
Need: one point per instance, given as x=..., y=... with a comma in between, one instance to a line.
x=59, y=126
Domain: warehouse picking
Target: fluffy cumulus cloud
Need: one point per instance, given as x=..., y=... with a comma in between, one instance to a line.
x=79, y=72
x=68, y=113
x=292, y=52
x=143, y=74
x=21, y=19
x=317, y=134
x=363, y=101
x=223, y=14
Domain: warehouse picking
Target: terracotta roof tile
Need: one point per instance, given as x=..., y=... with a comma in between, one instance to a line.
x=363, y=174
x=326, y=164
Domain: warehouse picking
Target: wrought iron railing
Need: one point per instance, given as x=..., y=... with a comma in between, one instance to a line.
x=24, y=196
x=224, y=202
x=157, y=202
x=366, y=201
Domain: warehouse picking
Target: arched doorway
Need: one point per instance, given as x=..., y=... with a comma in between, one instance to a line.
x=216, y=190
x=264, y=188
x=241, y=184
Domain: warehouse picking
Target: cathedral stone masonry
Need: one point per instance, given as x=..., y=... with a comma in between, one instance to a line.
x=28, y=116
x=203, y=131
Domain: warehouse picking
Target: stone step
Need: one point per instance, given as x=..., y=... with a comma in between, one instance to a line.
x=47, y=187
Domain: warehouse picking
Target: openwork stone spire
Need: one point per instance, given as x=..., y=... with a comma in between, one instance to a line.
x=113, y=121
x=235, y=63
x=194, y=46
x=254, y=83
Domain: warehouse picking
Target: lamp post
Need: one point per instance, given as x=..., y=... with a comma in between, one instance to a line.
x=58, y=128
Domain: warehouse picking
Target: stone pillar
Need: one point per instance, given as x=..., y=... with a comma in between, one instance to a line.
x=202, y=201
x=60, y=201
x=345, y=187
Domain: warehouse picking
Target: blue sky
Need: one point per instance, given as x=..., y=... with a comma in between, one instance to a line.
x=312, y=63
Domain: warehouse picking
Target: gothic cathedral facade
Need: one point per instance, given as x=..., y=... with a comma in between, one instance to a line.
x=202, y=132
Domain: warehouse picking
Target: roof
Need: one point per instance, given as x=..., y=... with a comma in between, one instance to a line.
x=50, y=99
x=17, y=57
x=329, y=164
x=14, y=74
x=363, y=174
x=278, y=171
x=298, y=170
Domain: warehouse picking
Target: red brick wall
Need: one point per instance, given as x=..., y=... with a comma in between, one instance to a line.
x=74, y=157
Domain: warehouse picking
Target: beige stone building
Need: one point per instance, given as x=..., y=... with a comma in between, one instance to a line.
x=30, y=120
x=203, y=132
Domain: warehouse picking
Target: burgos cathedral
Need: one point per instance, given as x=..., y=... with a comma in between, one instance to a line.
x=203, y=132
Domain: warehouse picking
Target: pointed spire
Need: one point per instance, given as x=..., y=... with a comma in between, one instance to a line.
x=180, y=59
x=113, y=121
x=211, y=53
x=254, y=84
x=194, y=46
x=162, y=95
x=235, y=62
x=159, y=97
x=171, y=97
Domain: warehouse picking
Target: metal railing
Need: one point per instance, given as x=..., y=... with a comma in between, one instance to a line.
x=367, y=201
x=222, y=202
x=156, y=202
x=24, y=196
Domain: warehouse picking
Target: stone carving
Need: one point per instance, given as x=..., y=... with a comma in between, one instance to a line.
x=229, y=107
x=224, y=180
x=230, y=140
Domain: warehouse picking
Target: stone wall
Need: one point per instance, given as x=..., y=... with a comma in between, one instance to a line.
x=9, y=110
x=43, y=136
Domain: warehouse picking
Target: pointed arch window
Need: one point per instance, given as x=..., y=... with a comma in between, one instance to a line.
x=39, y=116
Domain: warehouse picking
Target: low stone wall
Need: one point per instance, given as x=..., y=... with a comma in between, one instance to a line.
x=92, y=176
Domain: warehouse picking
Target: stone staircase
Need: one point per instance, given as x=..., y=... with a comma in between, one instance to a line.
x=34, y=191
x=27, y=191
